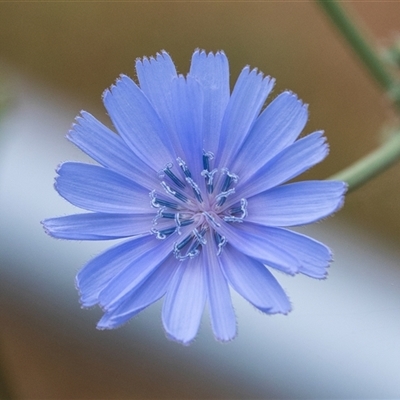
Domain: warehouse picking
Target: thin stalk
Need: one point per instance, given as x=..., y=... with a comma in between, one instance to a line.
x=362, y=48
x=371, y=165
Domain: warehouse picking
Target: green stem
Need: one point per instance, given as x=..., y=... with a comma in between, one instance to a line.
x=382, y=158
x=365, y=52
x=371, y=165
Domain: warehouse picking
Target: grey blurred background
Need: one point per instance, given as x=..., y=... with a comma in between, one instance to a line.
x=342, y=339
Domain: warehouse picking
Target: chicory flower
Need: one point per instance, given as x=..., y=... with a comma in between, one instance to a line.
x=196, y=178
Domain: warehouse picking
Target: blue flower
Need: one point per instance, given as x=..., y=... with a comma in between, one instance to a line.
x=196, y=179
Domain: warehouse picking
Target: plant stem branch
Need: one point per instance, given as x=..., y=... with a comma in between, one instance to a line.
x=371, y=165
x=362, y=48
x=382, y=158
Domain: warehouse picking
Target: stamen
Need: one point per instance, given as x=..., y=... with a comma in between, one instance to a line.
x=200, y=236
x=171, y=175
x=175, y=193
x=185, y=222
x=232, y=219
x=207, y=156
x=163, y=233
x=209, y=175
x=229, y=178
x=191, y=253
x=198, y=240
x=178, y=224
x=193, y=249
x=168, y=215
x=195, y=188
x=184, y=219
x=184, y=167
x=221, y=198
x=189, y=210
x=157, y=202
x=181, y=221
x=211, y=220
x=179, y=246
x=220, y=242
x=158, y=215
x=242, y=209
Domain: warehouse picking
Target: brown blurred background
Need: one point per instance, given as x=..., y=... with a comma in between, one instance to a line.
x=81, y=47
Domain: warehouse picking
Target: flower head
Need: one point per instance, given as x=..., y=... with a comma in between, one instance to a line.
x=196, y=179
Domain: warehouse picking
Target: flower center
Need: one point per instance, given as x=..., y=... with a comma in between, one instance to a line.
x=199, y=201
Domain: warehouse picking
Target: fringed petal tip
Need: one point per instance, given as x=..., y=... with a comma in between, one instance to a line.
x=341, y=201
x=319, y=272
x=275, y=311
x=111, y=90
x=255, y=72
x=58, y=168
x=49, y=229
x=282, y=306
x=46, y=225
x=87, y=307
x=85, y=304
x=203, y=53
x=183, y=341
x=161, y=55
x=227, y=335
x=224, y=340
x=79, y=119
x=294, y=97
x=43, y=223
x=343, y=187
x=190, y=341
x=110, y=321
x=104, y=326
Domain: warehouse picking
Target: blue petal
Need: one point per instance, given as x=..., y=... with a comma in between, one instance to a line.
x=155, y=77
x=187, y=109
x=223, y=320
x=248, y=96
x=290, y=162
x=254, y=241
x=148, y=292
x=98, y=226
x=277, y=127
x=254, y=282
x=140, y=267
x=98, y=189
x=296, y=203
x=313, y=256
x=138, y=123
x=185, y=300
x=212, y=71
x=108, y=149
x=98, y=272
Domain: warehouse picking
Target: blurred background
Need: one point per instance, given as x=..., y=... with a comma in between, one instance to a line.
x=342, y=341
